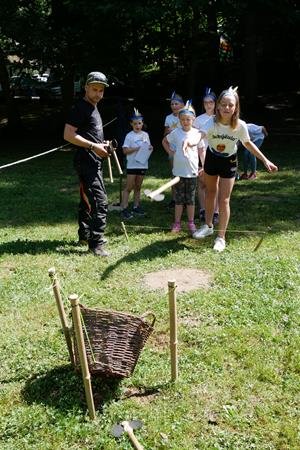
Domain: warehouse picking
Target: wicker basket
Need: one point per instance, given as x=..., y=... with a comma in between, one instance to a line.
x=113, y=340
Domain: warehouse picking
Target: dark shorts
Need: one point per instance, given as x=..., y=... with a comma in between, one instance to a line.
x=185, y=191
x=225, y=167
x=136, y=171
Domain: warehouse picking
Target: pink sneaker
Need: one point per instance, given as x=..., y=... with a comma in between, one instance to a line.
x=252, y=176
x=192, y=227
x=176, y=227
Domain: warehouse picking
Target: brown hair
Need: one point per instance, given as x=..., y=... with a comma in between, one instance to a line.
x=236, y=115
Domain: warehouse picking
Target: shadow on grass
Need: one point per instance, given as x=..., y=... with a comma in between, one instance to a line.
x=62, y=388
x=36, y=247
x=157, y=249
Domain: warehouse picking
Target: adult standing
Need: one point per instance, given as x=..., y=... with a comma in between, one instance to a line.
x=84, y=129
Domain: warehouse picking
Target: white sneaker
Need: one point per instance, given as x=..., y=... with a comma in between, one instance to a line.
x=220, y=244
x=203, y=232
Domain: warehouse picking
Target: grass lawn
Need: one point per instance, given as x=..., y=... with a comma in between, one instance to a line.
x=239, y=341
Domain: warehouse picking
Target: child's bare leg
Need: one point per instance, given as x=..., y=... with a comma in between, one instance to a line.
x=178, y=212
x=211, y=182
x=190, y=210
x=201, y=192
x=130, y=181
x=225, y=189
x=137, y=189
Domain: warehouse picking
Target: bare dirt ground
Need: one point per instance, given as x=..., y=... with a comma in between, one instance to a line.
x=186, y=279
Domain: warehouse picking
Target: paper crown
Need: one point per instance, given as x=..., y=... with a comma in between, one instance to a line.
x=188, y=109
x=209, y=93
x=231, y=90
x=176, y=98
x=136, y=115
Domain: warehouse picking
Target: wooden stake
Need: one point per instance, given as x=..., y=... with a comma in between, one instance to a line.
x=173, y=329
x=82, y=355
x=110, y=170
x=259, y=243
x=63, y=318
x=117, y=163
x=124, y=229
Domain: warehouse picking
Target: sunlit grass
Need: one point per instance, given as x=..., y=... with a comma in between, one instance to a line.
x=239, y=357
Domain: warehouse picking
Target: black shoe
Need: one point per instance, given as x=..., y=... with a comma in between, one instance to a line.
x=99, y=251
x=202, y=215
x=126, y=214
x=216, y=218
x=138, y=211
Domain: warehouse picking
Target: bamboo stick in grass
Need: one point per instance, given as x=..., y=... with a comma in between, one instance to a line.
x=62, y=313
x=82, y=355
x=173, y=329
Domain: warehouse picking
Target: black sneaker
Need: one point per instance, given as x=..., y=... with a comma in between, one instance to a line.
x=138, y=211
x=126, y=214
x=99, y=250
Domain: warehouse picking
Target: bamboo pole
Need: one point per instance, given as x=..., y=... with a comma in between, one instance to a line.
x=86, y=376
x=62, y=313
x=125, y=232
x=110, y=170
x=173, y=329
x=117, y=163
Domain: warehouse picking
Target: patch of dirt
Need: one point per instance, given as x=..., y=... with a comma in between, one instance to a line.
x=186, y=279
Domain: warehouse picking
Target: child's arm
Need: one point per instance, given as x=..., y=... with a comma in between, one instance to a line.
x=167, y=147
x=256, y=152
x=202, y=152
x=167, y=130
x=129, y=150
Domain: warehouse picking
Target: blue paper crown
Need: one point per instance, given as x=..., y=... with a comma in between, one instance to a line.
x=136, y=115
x=209, y=93
x=176, y=97
x=188, y=109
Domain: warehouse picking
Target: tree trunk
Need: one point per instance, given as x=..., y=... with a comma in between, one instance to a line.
x=13, y=116
x=250, y=60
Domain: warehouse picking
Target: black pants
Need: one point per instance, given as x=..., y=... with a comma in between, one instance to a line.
x=93, y=208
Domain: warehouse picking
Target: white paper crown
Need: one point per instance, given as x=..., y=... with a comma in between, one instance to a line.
x=136, y=114
x=232, y=90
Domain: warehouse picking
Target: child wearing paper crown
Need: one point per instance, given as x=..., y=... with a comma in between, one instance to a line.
x=184, y=144
x=223, y=132
x=137, y=148
x=172, y=122
x=209, y=104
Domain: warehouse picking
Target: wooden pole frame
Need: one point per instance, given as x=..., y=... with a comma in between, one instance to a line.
x=173, y=329
x=86, y=376
x=62, y=314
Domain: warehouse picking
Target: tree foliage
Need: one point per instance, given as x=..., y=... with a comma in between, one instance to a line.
x=163, y=43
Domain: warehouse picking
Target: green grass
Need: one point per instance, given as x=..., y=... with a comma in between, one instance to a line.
x=239, y=342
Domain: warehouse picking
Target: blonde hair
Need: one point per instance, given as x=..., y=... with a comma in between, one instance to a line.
x=231, y=92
